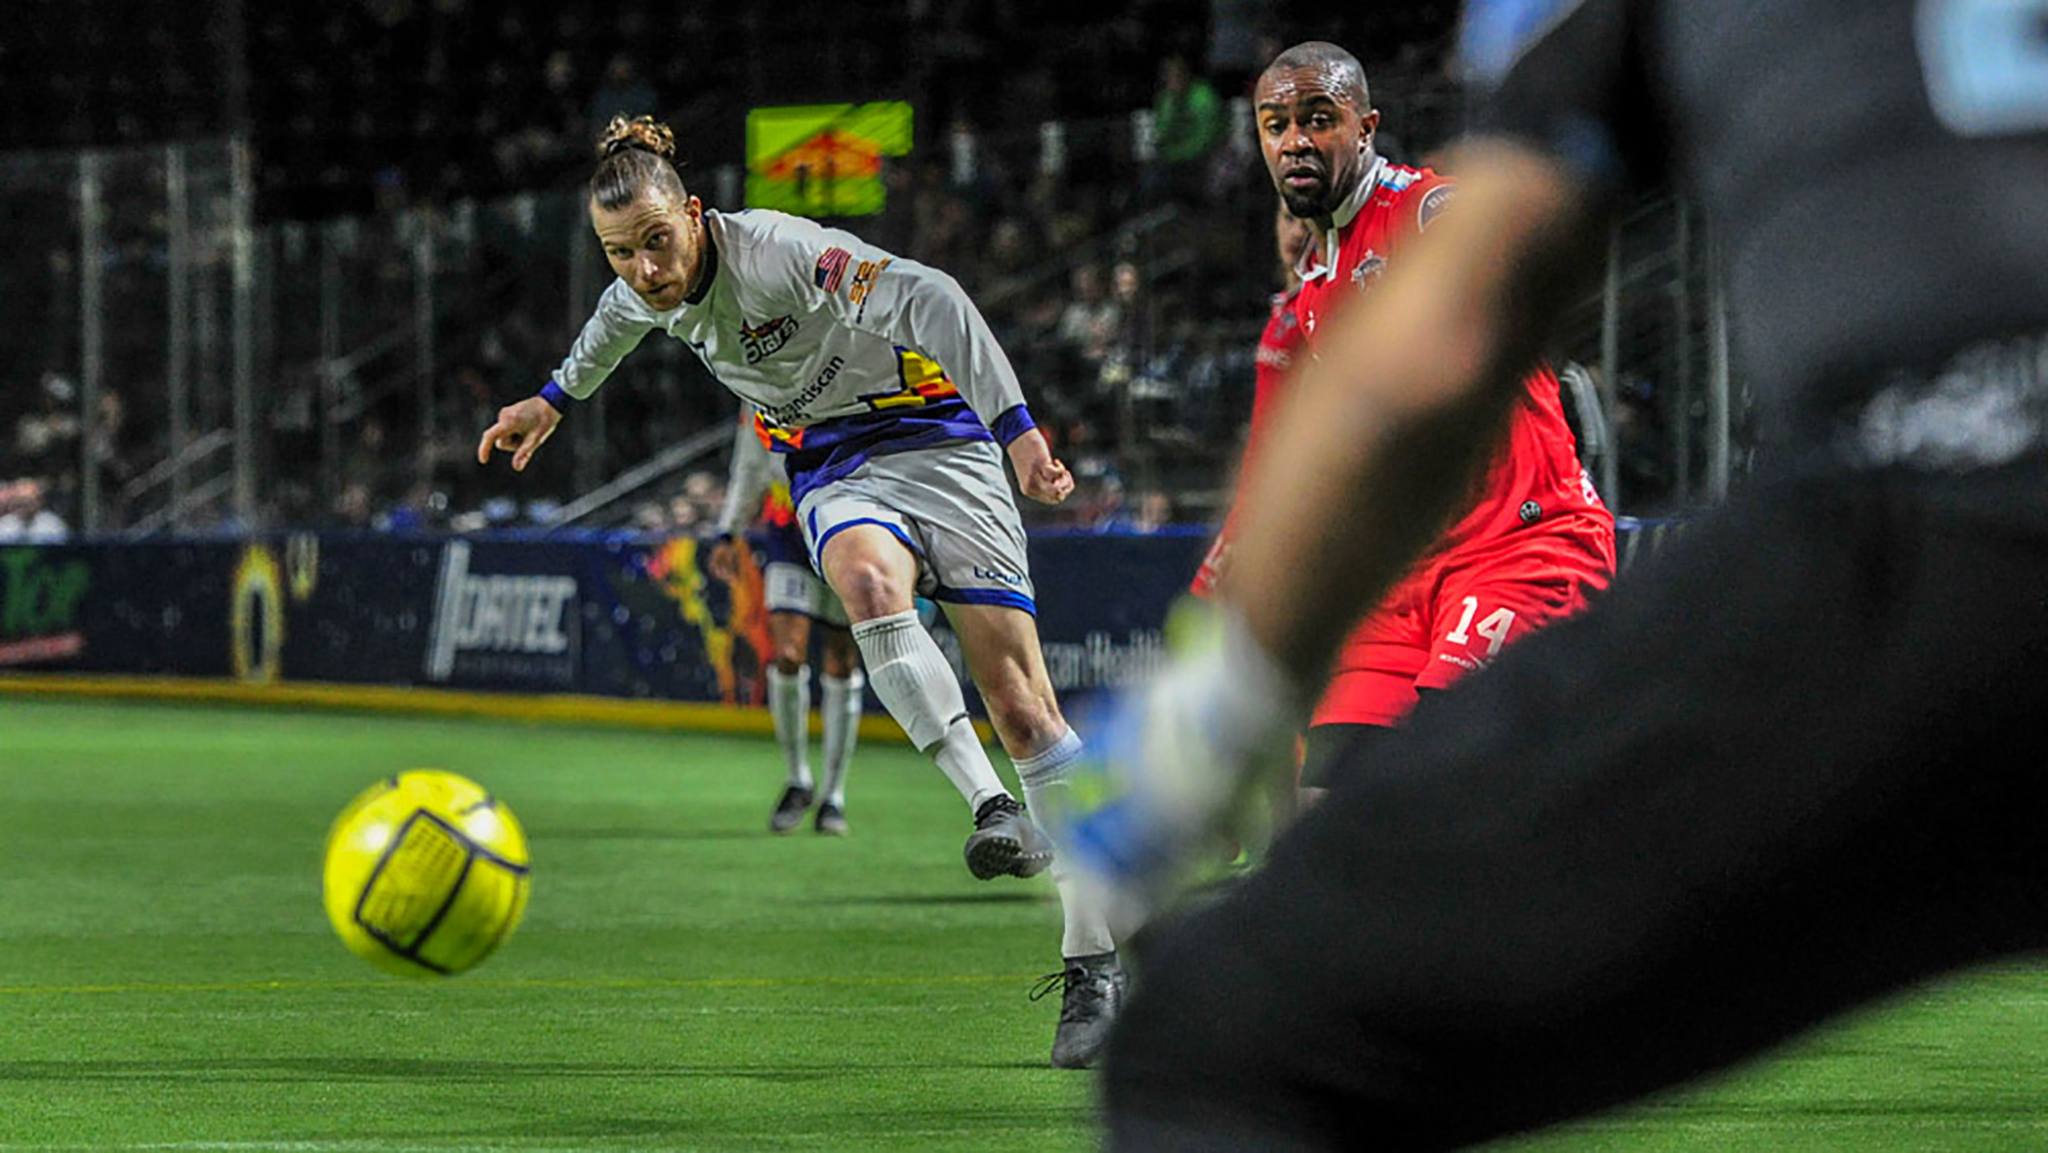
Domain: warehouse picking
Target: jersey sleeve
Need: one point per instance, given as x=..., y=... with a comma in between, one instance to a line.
x=1571, y=79
x=615, y=329
x=753, y=474
x=909, y=304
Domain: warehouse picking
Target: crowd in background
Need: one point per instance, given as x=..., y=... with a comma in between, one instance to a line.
x=1125, y=266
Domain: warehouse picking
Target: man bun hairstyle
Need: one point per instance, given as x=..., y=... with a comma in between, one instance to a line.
x=635, y=154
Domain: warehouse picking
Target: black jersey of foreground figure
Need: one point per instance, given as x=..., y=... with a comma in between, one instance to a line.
x=1877, y=169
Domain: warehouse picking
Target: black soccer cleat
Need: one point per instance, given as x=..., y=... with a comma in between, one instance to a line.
x=831, y=820
x=1006, y=841
x=1091, y=995
x=790, y=810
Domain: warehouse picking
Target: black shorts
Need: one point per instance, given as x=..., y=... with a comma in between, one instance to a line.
x=1793, y=764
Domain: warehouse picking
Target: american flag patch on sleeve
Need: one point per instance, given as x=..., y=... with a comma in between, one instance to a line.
x=831, y=267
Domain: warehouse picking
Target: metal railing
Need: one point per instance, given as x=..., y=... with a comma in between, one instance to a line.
x=333, y=372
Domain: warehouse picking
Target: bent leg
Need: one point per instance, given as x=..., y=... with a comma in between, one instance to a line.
x=874, y=573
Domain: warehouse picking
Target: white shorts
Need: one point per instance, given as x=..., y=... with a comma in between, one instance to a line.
x=792, y=588
x=950, y=506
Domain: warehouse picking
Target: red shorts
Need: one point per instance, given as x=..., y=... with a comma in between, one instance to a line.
x=1457, y=612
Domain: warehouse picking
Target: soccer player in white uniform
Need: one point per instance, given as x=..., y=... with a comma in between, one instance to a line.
x=758, y=490
x=888, y=397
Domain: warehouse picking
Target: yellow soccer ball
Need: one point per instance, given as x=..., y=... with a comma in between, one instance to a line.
x=426, y=873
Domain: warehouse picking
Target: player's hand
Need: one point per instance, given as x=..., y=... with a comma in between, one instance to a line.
x=521, y=429
x=1042, y=477
x=723, y=560
x=1181, y=766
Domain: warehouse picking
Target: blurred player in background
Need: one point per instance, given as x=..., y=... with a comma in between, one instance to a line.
x=880, y=384
x=1530, y=539
x=1787, y=768
x=1278, y=345
x=758, y=490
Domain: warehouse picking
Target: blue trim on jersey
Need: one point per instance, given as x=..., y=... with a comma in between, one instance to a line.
x=1004, y=597
x=835, y=449
x=1015, y=422
x=819, y=561
x=556, y=396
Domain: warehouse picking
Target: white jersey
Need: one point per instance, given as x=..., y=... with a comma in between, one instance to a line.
x=836, y=344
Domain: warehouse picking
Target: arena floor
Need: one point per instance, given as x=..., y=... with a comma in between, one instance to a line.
x=683, y=981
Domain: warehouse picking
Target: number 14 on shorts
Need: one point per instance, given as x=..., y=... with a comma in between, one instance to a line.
x=1494, y=629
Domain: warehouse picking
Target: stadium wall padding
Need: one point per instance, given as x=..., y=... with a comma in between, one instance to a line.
x=601, y=629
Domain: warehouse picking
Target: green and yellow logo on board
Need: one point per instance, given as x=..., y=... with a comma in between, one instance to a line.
x=824, y=159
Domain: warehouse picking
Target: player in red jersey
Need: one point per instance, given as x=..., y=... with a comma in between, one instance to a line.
x=1278, y=345
x=1535, y=539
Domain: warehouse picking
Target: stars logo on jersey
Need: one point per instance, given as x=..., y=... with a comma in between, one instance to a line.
x=1370, y=267
x=765, y=339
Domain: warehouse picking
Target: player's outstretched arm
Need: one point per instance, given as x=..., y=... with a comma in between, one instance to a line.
x=615, y=329
x=520, y=430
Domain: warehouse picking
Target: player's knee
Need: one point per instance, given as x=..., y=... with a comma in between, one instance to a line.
x=870, y=590
x=788, y=660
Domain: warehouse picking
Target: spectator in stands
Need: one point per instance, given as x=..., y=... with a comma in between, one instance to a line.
x=24, y=520
x=1007, y=267
x=1132, y=344
x=47, y=438
x=352, y=508
x=1090, y=320
x=624, y=92
x=1155, y=512
x=649, y=517
x=111, y=455
x=1188, y=121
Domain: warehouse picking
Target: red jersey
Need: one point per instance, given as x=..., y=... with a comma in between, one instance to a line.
x=1278, y=345
x=1537, y=475
x=1533, y=542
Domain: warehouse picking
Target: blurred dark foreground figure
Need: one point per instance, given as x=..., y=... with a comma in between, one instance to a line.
x=1790, y=767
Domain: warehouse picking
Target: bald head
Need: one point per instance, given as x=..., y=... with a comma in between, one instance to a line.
x=1315, y=123
x=1339, y=70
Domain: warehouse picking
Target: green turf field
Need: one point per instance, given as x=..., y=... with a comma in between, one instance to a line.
x=683, y=980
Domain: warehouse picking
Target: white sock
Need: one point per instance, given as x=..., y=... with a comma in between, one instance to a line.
x=789, y=702
x=842, y=731
x=1045, y=783
x=917, y=686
